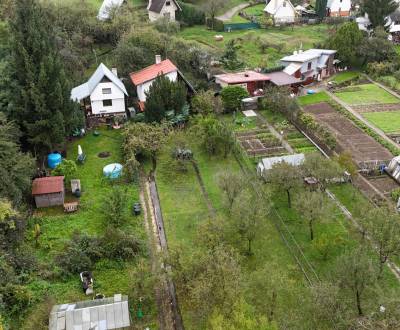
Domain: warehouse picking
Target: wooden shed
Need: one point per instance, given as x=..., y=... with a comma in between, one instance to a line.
x=48, y=191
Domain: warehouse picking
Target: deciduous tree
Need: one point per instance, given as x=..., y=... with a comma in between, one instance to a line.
x=232, y=184
x=232, y=97
x=378, y=10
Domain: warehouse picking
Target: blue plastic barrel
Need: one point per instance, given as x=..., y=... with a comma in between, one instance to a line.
x=53, y=160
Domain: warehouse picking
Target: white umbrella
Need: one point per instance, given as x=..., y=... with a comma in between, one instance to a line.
x=80, y=152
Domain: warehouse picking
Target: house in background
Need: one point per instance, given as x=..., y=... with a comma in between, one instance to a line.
x=338, y=8
x=281, y=11
x=144, y=78
x=100, y=314
x=162, y=8
x=48, y=191
x=103, y=95
x=107, y=7
x=311, y=65
x=251, y=81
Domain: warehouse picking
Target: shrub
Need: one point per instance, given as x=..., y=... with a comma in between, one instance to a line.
x=203, y=103
x=67, y=168
x=232, y=97
x=395, y=194
x=115, y=207
x=118, y=245
x=80, y=253
x=190, y=15
x=377, y=69
x=15, y=298
x=166, y=26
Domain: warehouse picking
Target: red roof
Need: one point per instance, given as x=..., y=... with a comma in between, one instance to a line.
x=242, y=77
x=48, y=185
x=152, y=71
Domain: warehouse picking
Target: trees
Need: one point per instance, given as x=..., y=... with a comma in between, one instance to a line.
x=232, y=97
x=211, y=7
x=377, y=48
x=203, y=103
x=346, y=41
x=313, y=207
x=378, y=10
x=39, y=92
x=284, y=177
x=163, y=96
x=232, y=184
x=115, y=207
x=356, y=273
x=384, y=227
x=67, y=168
x=16, y=168
x=229, y=57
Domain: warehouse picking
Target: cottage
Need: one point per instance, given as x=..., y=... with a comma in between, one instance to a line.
x=102, y=95
x=100, y=314
x=338, y=8
x=281, y=11
x=162, y=9
x=311, y=65
x=107, y=7
x=252, y=81
x=48, y=191
x=144, y=78
x=267, y=163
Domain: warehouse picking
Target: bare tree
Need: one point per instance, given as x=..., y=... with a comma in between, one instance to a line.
x=232, y=184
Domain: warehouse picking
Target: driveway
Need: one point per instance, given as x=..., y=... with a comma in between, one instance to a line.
x=231, y=12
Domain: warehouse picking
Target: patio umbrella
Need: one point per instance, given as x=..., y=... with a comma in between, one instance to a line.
x=80, y=152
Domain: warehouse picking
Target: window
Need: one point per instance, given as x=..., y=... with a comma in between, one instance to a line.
x=309, y=66
x=168, y=3
x=106, y=90
x=107, y=103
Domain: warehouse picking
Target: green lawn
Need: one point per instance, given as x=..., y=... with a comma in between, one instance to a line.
x=280, y=41
x=313, y=98
x=342, y=77
x=388, y=121
x=365, y=94
x=256, y=10
x=110, y=276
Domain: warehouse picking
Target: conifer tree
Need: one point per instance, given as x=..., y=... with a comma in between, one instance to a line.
x=39, y=93
x=320, y=8
x=378, y=10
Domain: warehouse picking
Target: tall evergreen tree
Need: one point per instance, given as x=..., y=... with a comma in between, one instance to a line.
x=39, y=92
x=378, y=10
x=320, y=8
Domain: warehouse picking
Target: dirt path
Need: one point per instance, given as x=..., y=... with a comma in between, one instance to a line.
x=231, y=12
x=275, y=133
x=361, y=118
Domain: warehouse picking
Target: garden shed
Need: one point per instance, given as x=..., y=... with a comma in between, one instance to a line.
x=99, y=314
x=48, y=191
x=267, y=163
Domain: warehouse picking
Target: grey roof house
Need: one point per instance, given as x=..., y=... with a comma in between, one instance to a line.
x=99, y=314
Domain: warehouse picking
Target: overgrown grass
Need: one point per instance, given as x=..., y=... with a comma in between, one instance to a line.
x=313, y=98
x=365, y=94
x=387, y=121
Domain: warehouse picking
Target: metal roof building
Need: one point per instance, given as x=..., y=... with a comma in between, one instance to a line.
x=99, y=314
x=267, y=163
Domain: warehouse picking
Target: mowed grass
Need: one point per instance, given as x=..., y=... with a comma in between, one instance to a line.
x=313, y=98
x=365, y=94
x=387, y=121
x=342, y=77
x=281, y=41
x=110, y=276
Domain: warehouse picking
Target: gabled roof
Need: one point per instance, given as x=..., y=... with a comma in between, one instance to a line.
x=242, y=77
x=84, y=90
x=48, y=185
x=157, y=5
x=104, y=11
x=274, y=5
x=152, y=71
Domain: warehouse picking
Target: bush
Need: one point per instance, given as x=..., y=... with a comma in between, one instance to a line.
x=115, y=207
x=166, y=26
x=15, y=298
x=320, y=131
x=203, y=103
x=80, y=253
x=191, y=15
x=118, y=245
x=215, y=24
x=377, y=69
x=67, y=168
x=232, y=97
x=395, y=194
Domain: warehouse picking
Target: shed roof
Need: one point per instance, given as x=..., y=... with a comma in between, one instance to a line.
x=48, y=185
x=82, y=91
x=281, y=78
x=104, y=11
x=308, y=55
x=242, y=77
x=157, y=5
x=152, y=71
x=295, y=160
x=101, y=314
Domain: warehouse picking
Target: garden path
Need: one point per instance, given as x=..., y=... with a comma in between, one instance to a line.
x=231, y=12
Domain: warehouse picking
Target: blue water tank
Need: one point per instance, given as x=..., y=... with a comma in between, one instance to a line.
x=53, y=160
x=112, y=171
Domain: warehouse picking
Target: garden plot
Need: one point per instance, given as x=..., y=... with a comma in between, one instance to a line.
x=365, y=94
x=260, y=142
x=349, y=137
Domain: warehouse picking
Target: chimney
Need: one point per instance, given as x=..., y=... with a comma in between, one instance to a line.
x=158, y=59
x=114, y=71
